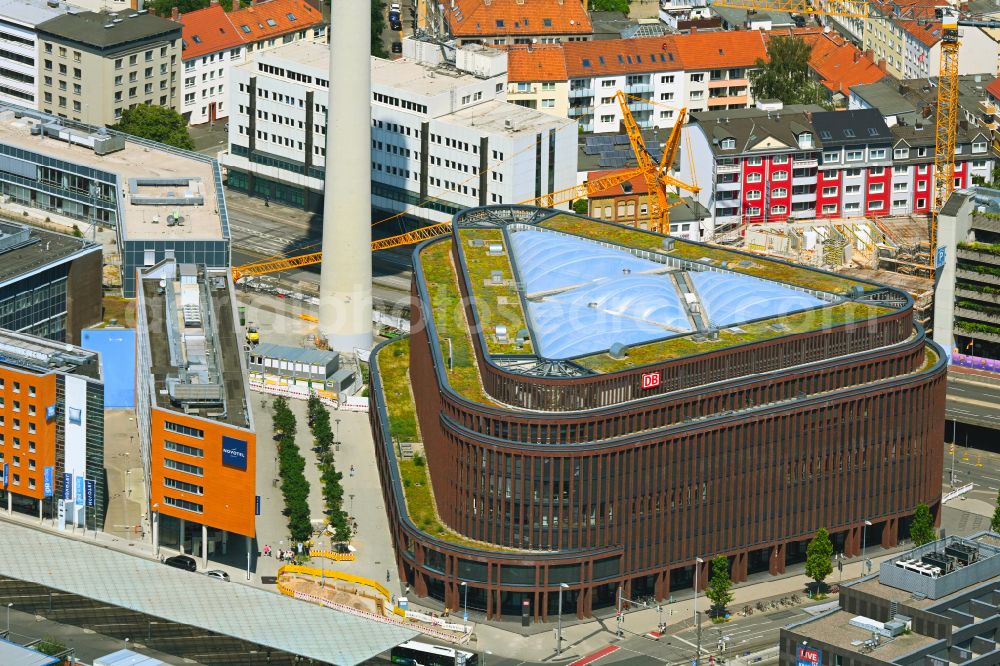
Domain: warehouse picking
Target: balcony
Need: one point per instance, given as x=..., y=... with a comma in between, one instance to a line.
x=576, y=111
x=639, y=107
x=581, y=92
x=518, y=90
x=977, y=295
x=976, y=255
x=727, y=168
x=977, y=315
x=638, y=88
x=802, y=198
x=723, y=186
x=974, y=276
x=805, y=164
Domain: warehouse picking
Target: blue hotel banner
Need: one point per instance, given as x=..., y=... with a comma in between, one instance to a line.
x=47, y=482
x=79, y=491
x=67, y=486
x=91, y=492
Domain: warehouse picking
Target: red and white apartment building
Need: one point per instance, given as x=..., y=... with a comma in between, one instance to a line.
x=773, y=164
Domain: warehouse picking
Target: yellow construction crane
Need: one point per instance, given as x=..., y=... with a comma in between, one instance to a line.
x=657, y=178
x=947, y=101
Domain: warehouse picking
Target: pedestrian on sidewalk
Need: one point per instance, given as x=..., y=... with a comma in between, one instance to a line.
x=352, y=470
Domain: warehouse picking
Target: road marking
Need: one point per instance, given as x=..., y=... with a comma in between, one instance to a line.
x=591, y=658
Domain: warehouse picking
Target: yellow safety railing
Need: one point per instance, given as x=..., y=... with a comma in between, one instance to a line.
x=336, y=575
x=331, y=555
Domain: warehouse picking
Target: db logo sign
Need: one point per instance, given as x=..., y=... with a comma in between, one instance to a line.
x=650, y=380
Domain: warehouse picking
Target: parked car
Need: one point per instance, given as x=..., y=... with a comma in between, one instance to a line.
x=395, y=24
x=181, y=562
x=394, y=7
x=217, y=573
x=397, y=47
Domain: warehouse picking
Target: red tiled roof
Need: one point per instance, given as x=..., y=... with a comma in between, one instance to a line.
x=207, y=30
x=274, y=17
x=993, y=89
x=544, y=63
x=477, y=18
x=716, y=50
x=928, y=33
x=619, y=56
x=838, y=63
x=637, y=184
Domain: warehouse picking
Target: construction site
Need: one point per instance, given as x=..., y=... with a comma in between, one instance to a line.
x=890, y=250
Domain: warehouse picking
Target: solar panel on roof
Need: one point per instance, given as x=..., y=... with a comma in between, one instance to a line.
x=621, y=139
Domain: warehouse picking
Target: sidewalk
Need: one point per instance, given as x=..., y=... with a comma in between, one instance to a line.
x=582, y=637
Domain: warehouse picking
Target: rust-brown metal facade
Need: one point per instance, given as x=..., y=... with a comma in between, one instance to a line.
x=629, y=494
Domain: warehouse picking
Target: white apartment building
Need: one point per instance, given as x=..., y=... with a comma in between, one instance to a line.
x=216, y=41
x=700, y=71
x=19, y=48
x=444, y=138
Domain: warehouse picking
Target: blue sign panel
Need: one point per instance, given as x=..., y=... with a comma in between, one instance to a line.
x=67, y=486
x=47, y=481
x=3, y=479
x=257, y=506
x=79, y=491
x=91, y=492
x=940, y=256
x=50, y=412
x=234, y=453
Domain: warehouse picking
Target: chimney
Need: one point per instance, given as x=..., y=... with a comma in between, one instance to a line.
x=881, y=64
x=236, y=5
x=694, y=30
x=253, y=3
x=857, y=55
x=175, y=14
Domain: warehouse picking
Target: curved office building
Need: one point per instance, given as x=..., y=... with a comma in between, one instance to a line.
x=595, y=405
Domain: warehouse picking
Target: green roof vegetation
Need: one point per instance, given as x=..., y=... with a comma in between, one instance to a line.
x=394, y=369
x=394, y=365
x=988, y=248
x=759, y=266
x=686, y=345
x=930, y=358
x=497, y=304
x=450, y=322
x=612, y=233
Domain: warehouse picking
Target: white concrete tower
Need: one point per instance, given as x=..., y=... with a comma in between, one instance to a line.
x=345, y=294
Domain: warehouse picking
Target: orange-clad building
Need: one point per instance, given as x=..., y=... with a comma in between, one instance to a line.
x=51, y=430
x=195, y=426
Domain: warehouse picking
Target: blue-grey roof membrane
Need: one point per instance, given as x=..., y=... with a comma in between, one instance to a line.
x=548, y=261
x=583, y=297
x=731, y=298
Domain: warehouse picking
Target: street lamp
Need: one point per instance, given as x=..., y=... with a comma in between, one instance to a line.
x=465, y=613
x=697, y=575
x=562, y=586
x=864, y=546
x=8, y=620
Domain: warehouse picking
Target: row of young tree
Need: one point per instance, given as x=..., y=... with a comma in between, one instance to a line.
x=333, y=490
x=291, y=469
x=819, y=556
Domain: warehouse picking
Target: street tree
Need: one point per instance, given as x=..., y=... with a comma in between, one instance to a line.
x=609, y=6
x=995, y=523
x=719, y=585
x=922, y=527
x=784, y=75
x=156, y=123
x=581, y=207
x=819, y=557
x=378, y=27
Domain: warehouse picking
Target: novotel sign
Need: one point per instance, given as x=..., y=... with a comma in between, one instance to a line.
x=650, y=380
x=809, y=656
x=234, y=452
